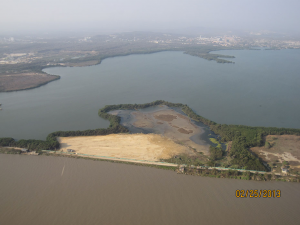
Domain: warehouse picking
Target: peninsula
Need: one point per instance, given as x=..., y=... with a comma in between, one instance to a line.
x=171, y=134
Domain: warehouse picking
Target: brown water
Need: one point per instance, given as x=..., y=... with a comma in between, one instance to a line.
x=41, y=190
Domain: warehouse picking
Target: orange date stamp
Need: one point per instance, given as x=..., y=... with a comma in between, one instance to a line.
x=258, y=193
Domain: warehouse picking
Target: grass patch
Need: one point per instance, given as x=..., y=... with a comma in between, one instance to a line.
x=216, y=142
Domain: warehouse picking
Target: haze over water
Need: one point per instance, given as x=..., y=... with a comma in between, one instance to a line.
x=260, y=89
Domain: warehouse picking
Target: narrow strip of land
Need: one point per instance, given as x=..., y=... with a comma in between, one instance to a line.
x=22, y=81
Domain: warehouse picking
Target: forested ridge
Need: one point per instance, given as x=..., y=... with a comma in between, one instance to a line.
x=242, y=137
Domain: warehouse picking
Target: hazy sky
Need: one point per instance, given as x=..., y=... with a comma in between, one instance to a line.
x=129, y=15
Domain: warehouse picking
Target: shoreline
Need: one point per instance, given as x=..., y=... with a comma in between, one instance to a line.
x=98, y=61
x=116, y=128
x=212, y=172
x=77, y=64
x=204, y=53
x=239, y=156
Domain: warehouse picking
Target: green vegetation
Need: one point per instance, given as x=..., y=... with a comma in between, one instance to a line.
x=210, y=56
x=227, y=146
x=242, y=137
x=183, y=159
x=215, y=141
x=10, y=150
x=215, y=153
x=204, y=52
x=6, y=141
x=32, y=145
x=267, y=144
x=205, y=172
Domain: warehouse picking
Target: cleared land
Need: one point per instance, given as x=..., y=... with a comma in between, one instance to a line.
x=282, y=148
x=151, y=147
x=170, y=136
x=21, y=81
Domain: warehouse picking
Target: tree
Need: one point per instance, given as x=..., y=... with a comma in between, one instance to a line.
x=215, y=153
x=211, y=163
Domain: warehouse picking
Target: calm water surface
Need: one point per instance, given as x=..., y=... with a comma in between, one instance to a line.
x=260, y=89
x=46, y=190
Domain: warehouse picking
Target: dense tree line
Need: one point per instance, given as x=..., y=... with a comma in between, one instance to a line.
x=210, y=56
x=237, y=174
x=33, y=145
x=51, y=142
x=215, y=153
x=6, y=141
x=186, y=160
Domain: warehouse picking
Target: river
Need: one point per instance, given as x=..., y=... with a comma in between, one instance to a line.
x=55, y=190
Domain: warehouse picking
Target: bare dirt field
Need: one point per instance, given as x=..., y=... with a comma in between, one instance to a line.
x=151, y=147
x=21, y=81
x=282, y=148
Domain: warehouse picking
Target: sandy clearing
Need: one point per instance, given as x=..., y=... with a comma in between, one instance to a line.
x=151, y=147
x=283, y=148
x=286, y=156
